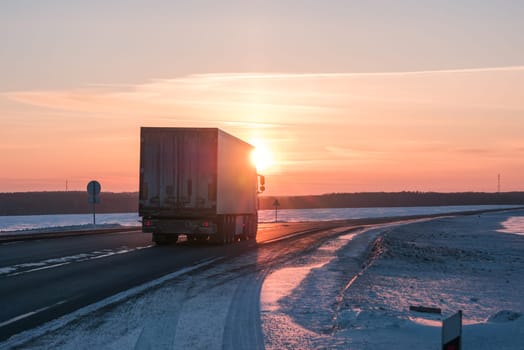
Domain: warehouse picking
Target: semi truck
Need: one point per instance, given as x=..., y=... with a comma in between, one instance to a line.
x=197, y=182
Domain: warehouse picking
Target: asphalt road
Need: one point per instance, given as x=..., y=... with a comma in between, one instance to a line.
x=44, y=279
x=41, y=280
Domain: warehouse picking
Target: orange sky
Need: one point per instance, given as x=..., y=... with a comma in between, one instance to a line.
x=449, y=130
x=346, y=96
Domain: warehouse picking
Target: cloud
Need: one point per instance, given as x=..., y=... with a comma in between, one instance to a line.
x=279, y=76
x=474, y=151
x=343, y=123
x=270, y=99
x=256, y=125
x=353, y=153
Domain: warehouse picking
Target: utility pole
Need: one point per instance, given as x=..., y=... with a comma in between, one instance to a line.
x=498, y=183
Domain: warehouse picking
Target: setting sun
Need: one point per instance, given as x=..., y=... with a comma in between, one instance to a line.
x=261, y=157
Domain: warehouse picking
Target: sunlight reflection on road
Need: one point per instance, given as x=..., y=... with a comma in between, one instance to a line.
x=282, y=283
x=514, y=224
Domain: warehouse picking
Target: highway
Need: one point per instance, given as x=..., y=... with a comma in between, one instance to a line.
x=44, y=279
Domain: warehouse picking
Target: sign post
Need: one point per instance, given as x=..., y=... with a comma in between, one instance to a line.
x=452, y=332
x=276, y=204
x=93, y=190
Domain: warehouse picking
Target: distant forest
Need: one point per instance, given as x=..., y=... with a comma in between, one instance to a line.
x=392, y=199
x=36, y=203
x=71, y=202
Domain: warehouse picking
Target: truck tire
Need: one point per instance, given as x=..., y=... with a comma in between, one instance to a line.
x=232, y=236
x=221, y=235
x=253, y=227
x=159, y=239
x=232, y=229
x=246, y=229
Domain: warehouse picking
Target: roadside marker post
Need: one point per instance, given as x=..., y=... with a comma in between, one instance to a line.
x=93, y=190
x=452, y=332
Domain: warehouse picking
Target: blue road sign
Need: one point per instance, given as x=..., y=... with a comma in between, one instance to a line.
x=93, y=188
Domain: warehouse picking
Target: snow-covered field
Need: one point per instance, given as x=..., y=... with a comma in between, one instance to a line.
x=472, y=263
x=353, y=292
x=64, y=222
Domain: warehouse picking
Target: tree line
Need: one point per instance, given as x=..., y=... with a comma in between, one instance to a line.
x=75, y=202
x=61, y=202
x=392, y=199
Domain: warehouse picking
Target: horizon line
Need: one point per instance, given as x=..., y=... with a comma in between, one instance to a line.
x=282, y=195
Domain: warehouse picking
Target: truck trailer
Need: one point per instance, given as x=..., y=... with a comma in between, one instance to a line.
x=198, y=182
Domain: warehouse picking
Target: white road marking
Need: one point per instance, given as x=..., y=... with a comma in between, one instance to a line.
x=38, y=269
x=21, y=317
x=15, y=270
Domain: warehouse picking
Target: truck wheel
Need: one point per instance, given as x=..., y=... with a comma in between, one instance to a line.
x=160, y=239
x=221, y=235
x=232, y=237
x=232, y=230
x=253, y=226
x=229, y=229
x=248, y=229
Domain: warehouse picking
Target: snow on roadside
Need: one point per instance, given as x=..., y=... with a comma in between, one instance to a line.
x=55, y=229
x=465, y=263
x=298, y=301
